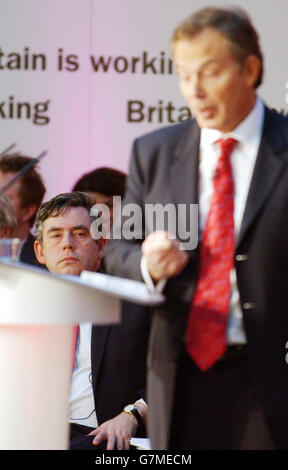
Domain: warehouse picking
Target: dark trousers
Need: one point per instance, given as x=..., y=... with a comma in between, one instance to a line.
x=80, y=441
x=218, y=409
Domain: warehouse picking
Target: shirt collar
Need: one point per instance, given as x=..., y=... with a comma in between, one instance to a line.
x=247, y=132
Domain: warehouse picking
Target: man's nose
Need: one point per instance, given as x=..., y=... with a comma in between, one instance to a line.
x=196, y=87
x=68, y=241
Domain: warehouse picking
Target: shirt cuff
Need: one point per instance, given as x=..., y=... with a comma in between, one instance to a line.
x=159, y=286
x=141, y=400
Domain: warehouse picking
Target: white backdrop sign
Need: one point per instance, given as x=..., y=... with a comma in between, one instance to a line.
x=83, y=78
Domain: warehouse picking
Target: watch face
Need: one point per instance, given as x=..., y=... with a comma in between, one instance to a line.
x=129, y=408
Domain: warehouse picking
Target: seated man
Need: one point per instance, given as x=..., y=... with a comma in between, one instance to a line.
x=110, y=361
x=7, y=218
x=25, y=195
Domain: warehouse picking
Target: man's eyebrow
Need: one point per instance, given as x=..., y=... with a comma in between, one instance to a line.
x=211, y=61
x=75, y=227
x=81, y=227
x=208, y=62
x=54, y=229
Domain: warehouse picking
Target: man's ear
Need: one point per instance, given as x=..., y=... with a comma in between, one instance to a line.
x=39, y=252
x=252, y=65
x=101, y=245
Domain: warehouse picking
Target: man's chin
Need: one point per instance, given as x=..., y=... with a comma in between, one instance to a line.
x=71, y=270
x=210, y=123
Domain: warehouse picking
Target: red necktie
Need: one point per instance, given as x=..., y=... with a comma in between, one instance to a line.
x=74, y=343
x=207, y=321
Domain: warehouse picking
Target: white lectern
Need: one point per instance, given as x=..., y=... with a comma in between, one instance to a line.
x=38, y=311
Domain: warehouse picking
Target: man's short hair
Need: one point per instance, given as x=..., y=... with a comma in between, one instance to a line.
x=59, y=205
x=32, y=189
x=7, y=217
x=233, y=23
x=104, y=180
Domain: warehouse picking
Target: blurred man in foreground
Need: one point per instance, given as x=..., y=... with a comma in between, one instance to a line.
x=217, y=361
x=109, y=366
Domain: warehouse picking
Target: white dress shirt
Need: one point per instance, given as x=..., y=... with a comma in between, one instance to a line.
x=248, y=134
x=81, y=400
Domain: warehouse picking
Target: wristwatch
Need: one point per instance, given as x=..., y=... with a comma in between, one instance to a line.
x=131, y=409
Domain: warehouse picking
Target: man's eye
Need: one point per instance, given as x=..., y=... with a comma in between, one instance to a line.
x=81, y=234
x=211, y=72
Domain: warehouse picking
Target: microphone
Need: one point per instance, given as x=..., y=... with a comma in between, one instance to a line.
x=7, y=150
x=22, y=172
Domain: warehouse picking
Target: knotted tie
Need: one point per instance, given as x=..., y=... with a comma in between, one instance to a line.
x=207, y=321
x=74, y=343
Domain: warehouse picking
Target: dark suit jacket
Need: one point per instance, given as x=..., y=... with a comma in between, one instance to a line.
x=118, y=361
x=164, y=168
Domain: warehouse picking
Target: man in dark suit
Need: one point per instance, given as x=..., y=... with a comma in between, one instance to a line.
x=25, y=195
x=110, y=361
x=217, y=364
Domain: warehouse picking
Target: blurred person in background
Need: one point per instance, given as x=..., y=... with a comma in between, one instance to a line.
x=25, y=195
x=7, y=218
x=104, y=183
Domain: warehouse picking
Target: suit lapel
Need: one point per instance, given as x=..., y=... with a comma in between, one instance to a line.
x=99, y=338
x=184, y=175
x=184, y=167
x=268, y=169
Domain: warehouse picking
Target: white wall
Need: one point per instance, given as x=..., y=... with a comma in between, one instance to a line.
x=87, y=109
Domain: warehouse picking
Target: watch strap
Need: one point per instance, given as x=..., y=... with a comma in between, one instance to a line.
x=133, y=410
